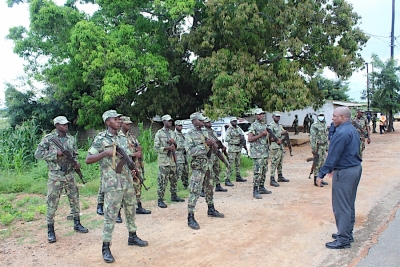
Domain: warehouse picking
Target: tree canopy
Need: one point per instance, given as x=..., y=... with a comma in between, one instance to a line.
x=145, y=57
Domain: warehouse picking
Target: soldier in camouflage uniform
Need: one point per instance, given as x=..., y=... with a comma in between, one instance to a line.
x=182, y=168
x=197, y=145
x=259, y=149
x=118, y=188
x=319, y=139
x=61, y=175
x=295, y=124
x=136, y=150
x=215, y=167
x=276, y=150
x=305, y=124
x=232, y=137
x=165, y=145
x=364, y=133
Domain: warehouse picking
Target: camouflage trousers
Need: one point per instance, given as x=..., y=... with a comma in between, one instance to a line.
x=276, y=160
x=165, y=174
x=100, y=194
x=321, y=160
x=183, y=173
x=138, y=191
x=199, y=179
x=260, y=168
x=137, y=186
x=55, y=188
x=215, y=170
x=112, y=204
x=234, y=158
x=362, y=146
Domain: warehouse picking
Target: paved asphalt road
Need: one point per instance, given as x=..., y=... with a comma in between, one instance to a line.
x=386, y=253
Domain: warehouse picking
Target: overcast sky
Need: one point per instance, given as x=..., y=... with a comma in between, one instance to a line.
x=376, y=21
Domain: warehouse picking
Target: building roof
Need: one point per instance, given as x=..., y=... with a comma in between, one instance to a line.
x=349, y=104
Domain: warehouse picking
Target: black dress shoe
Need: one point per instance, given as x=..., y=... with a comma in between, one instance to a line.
x=324, y=183
x=336, y=245
x=351, y=240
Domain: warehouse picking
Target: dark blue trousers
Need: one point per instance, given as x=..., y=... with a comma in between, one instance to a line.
x=344, y=191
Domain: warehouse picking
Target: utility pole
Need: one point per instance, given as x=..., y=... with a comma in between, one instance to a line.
x=391, y=57
x=367, y=87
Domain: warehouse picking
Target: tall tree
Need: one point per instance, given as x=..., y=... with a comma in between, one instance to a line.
x=386, y=79
x=263, y=52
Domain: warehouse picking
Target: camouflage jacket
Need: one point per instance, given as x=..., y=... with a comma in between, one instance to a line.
x=112, y=181
x=232, y=137
x=180, y=151
x=47, y=151
x=363, y=122
x=161, y=141
x=133, y=144
x=195, y=143
x=318, y=133
x=260, y=147
x=211, y=134
x=295, y=122
x=277, y=129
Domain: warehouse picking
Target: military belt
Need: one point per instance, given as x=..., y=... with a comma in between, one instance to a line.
x=58, y=172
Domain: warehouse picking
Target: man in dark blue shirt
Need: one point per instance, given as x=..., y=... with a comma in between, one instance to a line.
x=345, y=163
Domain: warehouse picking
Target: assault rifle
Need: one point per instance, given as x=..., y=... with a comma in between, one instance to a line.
x=171, y=153
x=287, y=140
x=125, y=159
x=69, y=159
x=243, y=144
x=314, y=159
x=140, y=160
x=219, y=143
x=358, y=127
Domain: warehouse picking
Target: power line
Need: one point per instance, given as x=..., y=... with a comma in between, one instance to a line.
x=374, y=35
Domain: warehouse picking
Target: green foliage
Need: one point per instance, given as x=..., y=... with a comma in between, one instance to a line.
x=6, y=219
x=28, y=216
x=146, y=140
x=84, y=205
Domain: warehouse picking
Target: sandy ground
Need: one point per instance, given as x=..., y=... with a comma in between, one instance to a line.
x=287, y=228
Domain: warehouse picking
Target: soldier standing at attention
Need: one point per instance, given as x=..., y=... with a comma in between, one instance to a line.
x=276, y=150
x=319, y=144
x=165, y=145
x=198, y=145
x=259, y=149
x=295, y=124
x=305, y=124
x=136, y=150
x=215, y=168
x=118, y=188
x=60, y=178
x=233, y=135
x=181, y=157
x=364, y=131
x=373, y=119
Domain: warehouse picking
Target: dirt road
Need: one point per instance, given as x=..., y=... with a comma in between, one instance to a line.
x=287, y=228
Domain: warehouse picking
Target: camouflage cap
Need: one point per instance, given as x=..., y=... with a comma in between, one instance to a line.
x=110, y=114
x=166, y=117
x=207, y=119
x=233, y=119
x=258, y=111
x=276, y=114
x=60, y=120
x=178, y=122
x=126, y=119
x=197, y=115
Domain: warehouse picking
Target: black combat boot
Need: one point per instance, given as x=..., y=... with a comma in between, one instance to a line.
x=135, y=240
x=256, y=195
x=202, y=193
x=141, y=210
x=263, y=190
x=100, y=210
x=119, y=218
x=273, y=182
x=51, y=236
x=240, y=179
x=161, y=203
x=192, y=222
x=315, y=181
x=219, y=188
x=228, y=182
x=107, y=256
x=281, y=178
x=175, y=198
x=212, y=212
x=78, y=226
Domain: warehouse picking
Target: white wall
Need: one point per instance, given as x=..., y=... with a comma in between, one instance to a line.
x=287, y=118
